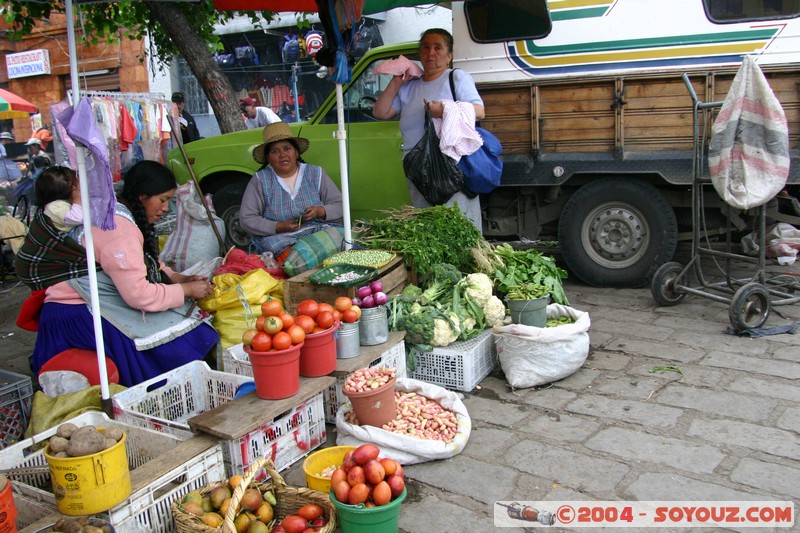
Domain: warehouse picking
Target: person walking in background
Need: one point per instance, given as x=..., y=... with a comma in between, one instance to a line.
x=5, y=138
x=411, y=97
x=256, y=116
x=189, y=131
x=44, y=135
x=35, y=150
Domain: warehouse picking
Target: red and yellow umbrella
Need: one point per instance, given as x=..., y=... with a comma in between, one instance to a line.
x=13, y=106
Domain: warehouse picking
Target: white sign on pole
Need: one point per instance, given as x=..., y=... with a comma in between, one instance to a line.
x=30, y=63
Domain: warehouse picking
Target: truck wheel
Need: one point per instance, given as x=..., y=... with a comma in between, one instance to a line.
x=616, y=233
x=226, y=203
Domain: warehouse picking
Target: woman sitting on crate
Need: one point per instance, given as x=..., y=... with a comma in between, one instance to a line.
x=287, y=198
x=143, y=303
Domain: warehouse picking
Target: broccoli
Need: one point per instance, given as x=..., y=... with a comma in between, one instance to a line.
x=443, y=278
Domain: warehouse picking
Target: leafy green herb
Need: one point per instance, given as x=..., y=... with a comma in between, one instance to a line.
x=666, y=369
x=522, y=269
x=424, y=237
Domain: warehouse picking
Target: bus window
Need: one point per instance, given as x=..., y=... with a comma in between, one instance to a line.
x=729, y=11
x=492, y=21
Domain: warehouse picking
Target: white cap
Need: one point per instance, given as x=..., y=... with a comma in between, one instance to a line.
x=33, y=141
x=6, y=135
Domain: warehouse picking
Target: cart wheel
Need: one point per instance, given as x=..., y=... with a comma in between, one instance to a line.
x=663, y=285
x=749, y=307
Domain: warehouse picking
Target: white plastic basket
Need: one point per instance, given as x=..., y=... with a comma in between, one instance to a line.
x=393, y=357
x=166, y=402
x=459, y=366
x=236, y=361
x=16, y=391
x=285, y=439
x=147, y=508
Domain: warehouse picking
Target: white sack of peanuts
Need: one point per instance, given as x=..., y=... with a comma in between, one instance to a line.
x=432, y=423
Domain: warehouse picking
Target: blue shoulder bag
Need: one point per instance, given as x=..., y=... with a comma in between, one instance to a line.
x=483, y=168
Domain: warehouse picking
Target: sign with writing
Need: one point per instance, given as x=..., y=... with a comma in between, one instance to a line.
x=30, y=63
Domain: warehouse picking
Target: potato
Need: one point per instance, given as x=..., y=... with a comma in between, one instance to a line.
x=58, y=444
x=92, y=529
x=83, y=429
x=62, y=455
x=65, y=430
x=86, y=443
x=110, y=443
x=113, y=433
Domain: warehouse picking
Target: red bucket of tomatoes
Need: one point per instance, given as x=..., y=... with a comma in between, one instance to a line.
x=273, y=347
x=318, y=355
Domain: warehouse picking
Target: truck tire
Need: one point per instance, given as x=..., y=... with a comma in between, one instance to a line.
x=617, y=232
x=226, y=203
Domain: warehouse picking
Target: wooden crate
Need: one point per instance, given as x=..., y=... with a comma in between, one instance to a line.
x=393, y=275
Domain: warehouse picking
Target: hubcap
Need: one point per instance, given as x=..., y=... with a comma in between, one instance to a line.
x=615, y=235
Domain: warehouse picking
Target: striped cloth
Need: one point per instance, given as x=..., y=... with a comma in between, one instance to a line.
x=748, y=156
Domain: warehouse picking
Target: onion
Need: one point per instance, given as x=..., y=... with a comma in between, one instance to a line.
x=368, y=302
x=356, y=301
x=376, y=286
x=363, y=292
x=380, y=298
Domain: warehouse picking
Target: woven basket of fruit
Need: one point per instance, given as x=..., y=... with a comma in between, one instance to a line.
x=251, y=505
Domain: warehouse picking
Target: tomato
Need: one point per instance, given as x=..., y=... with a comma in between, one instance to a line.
x=326, y=307
x=262, y=342
x=349, y=316
x=305, y=322
x=271, y=308
x=287, y=319
x=273, y=325
x=325, y=319
x=308, y=307
x=281, y=340
x=357, y=309
x=260, y=322
x=337, y=316
x=343, y=303
x=310, y=511
x=297, y=334
x=317, y=329
x=247, y=337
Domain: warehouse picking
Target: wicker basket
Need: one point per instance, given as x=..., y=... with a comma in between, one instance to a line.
x=289, y=499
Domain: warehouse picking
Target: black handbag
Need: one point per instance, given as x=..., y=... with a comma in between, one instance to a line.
x=436, y=176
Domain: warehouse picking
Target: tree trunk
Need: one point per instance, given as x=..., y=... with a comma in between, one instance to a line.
x=197, y=55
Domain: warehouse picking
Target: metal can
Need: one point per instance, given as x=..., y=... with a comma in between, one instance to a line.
x=374, y=326
x=347, y=340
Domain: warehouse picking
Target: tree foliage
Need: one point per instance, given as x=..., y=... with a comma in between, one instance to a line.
x=174, y=28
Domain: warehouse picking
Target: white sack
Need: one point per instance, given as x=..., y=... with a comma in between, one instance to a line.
x=403, y=449
x=532, y=356
x=748, y=156
x=194, y=239
x=783, y=243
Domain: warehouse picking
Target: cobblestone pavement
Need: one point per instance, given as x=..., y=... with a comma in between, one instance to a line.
x=726, y=426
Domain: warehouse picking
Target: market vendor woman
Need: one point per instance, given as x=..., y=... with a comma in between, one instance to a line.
x=136, y=290
x=287, y=198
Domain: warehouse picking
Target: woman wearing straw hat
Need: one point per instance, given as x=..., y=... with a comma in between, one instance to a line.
x=287, y=198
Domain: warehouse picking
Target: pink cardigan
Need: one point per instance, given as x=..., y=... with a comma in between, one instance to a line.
x=119, y=252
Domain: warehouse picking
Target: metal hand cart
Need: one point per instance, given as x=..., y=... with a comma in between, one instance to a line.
x=751, y=298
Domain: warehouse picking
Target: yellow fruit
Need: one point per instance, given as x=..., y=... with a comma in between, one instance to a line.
x=265, y=512
x=193, y=496
x=251, y=500
x=241, y=523
x=212, y=520
x=219, y=495
x=207, y=507
x=223, y=510
x=193, y=508
x=257, y=527
x=234, y=481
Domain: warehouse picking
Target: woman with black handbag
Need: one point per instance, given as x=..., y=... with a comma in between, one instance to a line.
x=412, y=98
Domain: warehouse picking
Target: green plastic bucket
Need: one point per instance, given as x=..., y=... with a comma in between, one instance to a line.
x=529, y=312
x=360, y=519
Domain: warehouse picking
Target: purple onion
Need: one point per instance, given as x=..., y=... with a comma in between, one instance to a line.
x=363, y=292
x=356, y=301
x=380, y=298
x=368, y=302
x=376, y=286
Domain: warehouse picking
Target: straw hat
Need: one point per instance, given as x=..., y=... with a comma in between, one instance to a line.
x=7, y=136
x=277, y=131
x=33, y=141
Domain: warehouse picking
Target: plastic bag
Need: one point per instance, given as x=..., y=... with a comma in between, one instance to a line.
x=532, y=356
x=409, y=450
x=194, y=239
x=783, y=243
x=748, y=156
x=436, y=176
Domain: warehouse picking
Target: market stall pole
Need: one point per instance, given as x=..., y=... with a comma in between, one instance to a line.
x=80, y=154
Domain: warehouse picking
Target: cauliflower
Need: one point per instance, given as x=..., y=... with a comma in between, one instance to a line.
x=443, y=333
x=494, y=312
x=479, y=288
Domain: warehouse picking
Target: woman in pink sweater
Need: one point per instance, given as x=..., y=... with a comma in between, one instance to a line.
x=136, y=291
